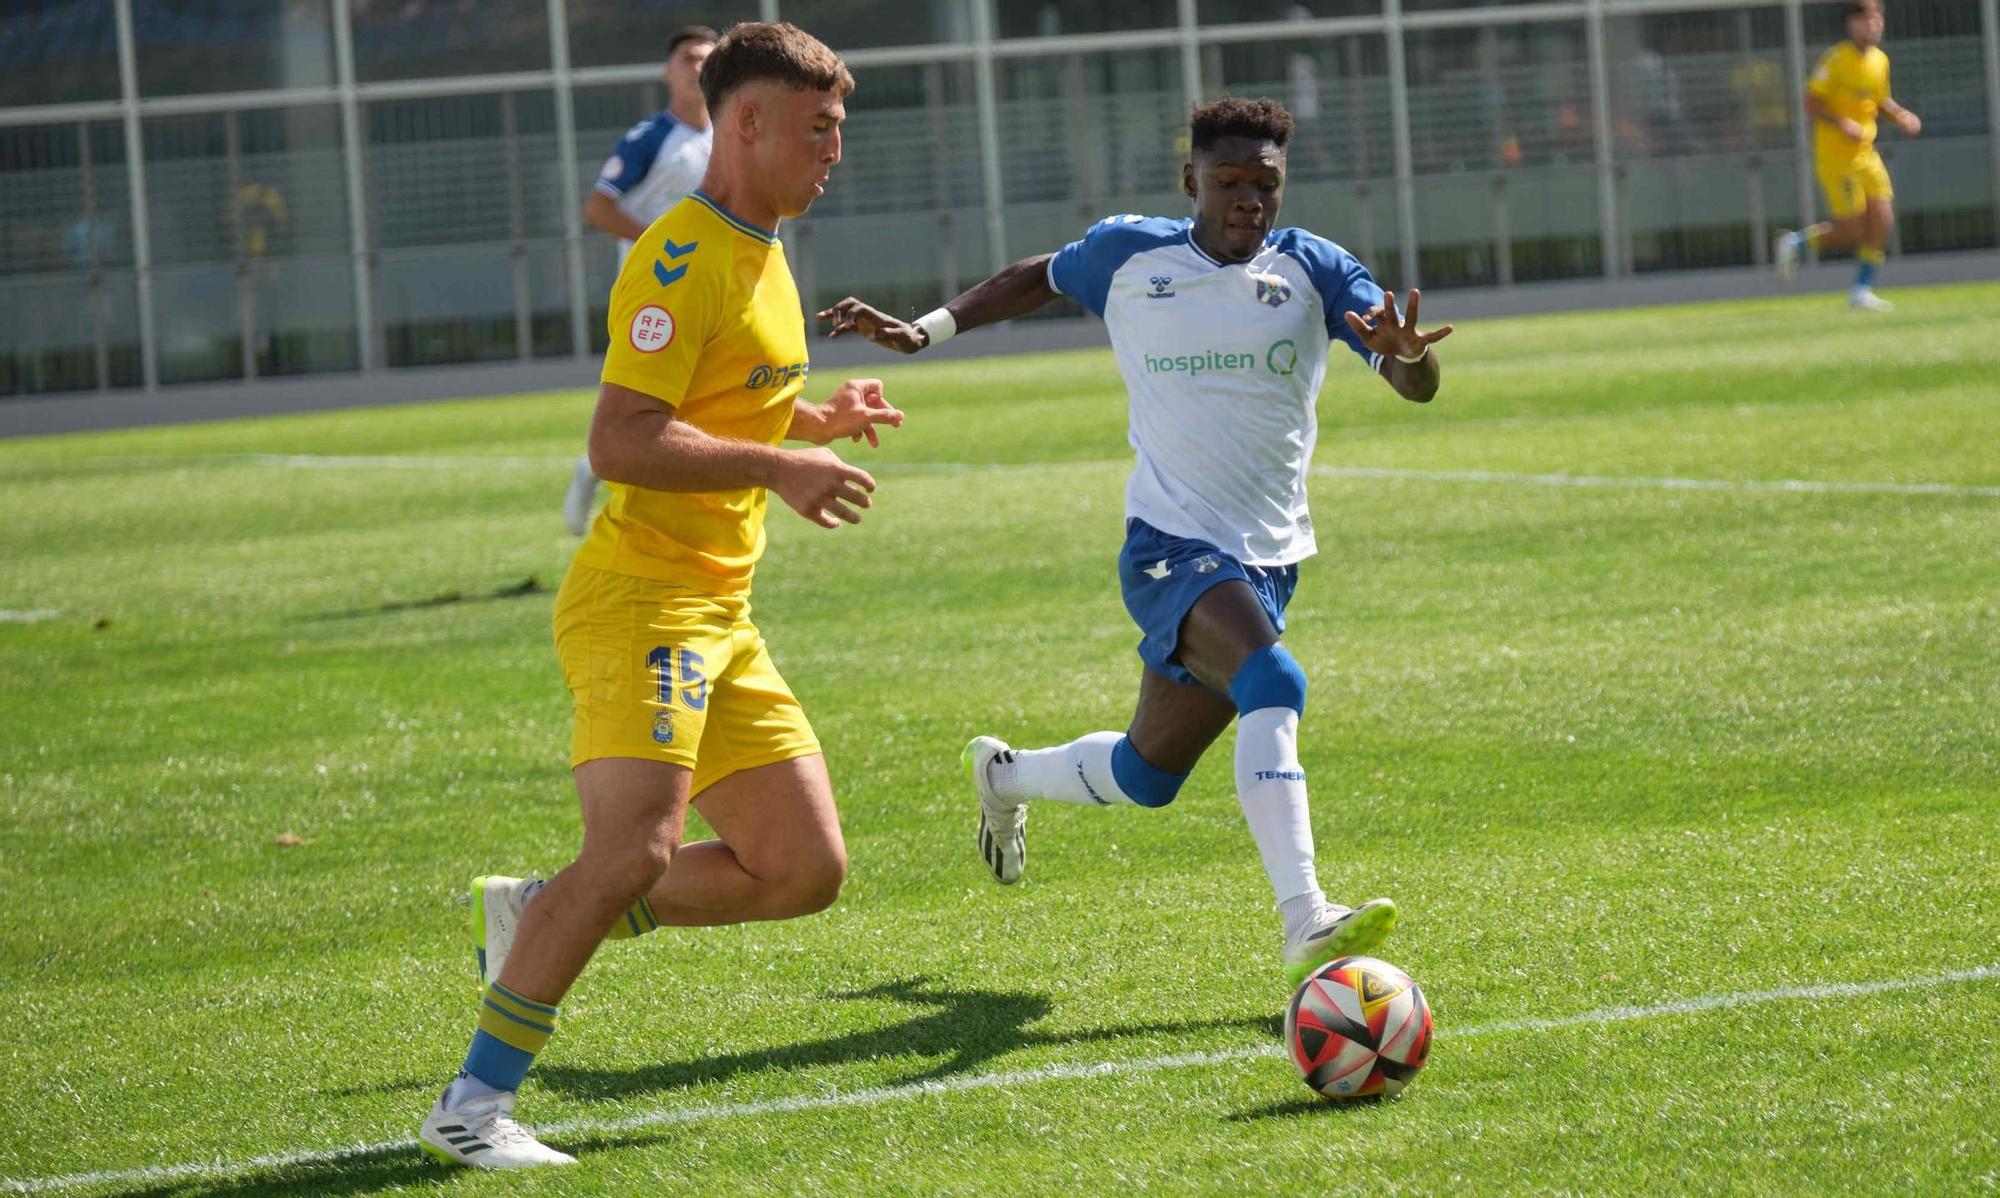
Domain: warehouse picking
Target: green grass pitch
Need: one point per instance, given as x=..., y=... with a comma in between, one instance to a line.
x=1629, y=744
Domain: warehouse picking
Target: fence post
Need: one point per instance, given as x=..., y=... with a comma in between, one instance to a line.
x=1399, y=120
x=986, y=96
x=1600, y=117
x=1989, y=35
x=579, y=306
x=135, y=169
x=1802, y=163
x=365, y=340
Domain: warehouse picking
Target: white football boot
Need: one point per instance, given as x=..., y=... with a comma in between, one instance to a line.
x=480, y=1133
x=1864, y=299
x=1785, y=255
x=496, y=916
x=1003, y=826
x=1338, y=932
x=581, y=496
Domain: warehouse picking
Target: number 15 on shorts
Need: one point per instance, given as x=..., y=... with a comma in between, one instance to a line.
x=681, y=681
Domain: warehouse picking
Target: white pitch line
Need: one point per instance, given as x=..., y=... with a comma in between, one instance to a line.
x=1796, y=485
x=32, y=616
x=986, y=1081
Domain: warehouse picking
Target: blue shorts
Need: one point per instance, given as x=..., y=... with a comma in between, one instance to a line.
x=1163, y=575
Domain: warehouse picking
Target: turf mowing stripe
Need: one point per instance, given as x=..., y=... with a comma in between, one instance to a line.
x=987, y=1081
x=1656, y=484
x=314, y=461
x=308, y=461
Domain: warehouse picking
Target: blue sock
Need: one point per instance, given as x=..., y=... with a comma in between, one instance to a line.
x=1864, y=274
x=1143, y=782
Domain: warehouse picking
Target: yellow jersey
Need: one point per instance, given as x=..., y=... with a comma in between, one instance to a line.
x=1852, y=83
x=704, y=318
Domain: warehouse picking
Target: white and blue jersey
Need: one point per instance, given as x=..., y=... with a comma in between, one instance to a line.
x=659, y=161
x=1222, y=363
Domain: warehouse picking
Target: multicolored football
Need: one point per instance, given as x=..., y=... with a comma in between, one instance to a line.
x=1358, y=1028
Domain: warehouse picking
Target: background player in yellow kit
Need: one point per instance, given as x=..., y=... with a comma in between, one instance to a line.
x=676, y=697
x=1848, y=88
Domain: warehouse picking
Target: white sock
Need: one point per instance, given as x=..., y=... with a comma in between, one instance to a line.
x=466, y=1088
x=1299, y=912
x=1078, y=772
x=1272, y=789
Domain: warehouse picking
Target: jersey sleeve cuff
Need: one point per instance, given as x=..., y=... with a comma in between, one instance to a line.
x=635, y=381
x=604, y=187
x=1050, y=271
x=1375, y=362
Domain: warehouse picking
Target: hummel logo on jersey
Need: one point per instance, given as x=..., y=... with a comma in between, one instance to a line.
x=1162, y=285
x=660, y=270
x=1158, y=570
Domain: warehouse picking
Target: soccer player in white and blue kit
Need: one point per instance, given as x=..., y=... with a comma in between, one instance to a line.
x=1221, y=325
x=658, y=162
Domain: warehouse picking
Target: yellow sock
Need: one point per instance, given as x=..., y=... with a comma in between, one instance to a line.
x=512, y=1030
x=637, y=921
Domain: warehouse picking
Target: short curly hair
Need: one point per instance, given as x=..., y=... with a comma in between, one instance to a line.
x=1236, y=116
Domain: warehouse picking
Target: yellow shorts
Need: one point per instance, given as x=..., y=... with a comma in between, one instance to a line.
x=1850, y=183
x=664, y=673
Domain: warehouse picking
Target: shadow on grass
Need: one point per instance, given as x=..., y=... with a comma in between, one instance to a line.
x=965, y=1026
x=1304, y=1108
x=517, y=590
x=393, y=1168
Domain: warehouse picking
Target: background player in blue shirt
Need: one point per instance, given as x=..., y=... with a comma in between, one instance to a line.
x=1221, y=326
x=658, y=161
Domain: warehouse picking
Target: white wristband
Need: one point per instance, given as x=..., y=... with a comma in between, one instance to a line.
x=938, y=325
x=1413, y=361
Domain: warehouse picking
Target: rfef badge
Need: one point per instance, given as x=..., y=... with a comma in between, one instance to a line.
x=652, y=329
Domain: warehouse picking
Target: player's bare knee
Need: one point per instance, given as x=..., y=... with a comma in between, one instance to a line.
x=625, y=873
x=815, y=884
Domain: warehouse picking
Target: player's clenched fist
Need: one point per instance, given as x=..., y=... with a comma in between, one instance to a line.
x=816, y=484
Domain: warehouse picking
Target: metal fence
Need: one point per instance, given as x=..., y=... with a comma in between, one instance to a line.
x=201, y=190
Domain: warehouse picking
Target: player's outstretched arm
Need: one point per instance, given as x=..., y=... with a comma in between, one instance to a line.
x=637, y=440
x=852, y=411
x=1015, y=291
x=1407, y=359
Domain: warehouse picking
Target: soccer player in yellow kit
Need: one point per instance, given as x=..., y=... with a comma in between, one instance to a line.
x=1848, y=88
x=676, y=697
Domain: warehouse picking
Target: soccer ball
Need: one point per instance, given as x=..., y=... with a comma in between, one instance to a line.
x=1358, y=1028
